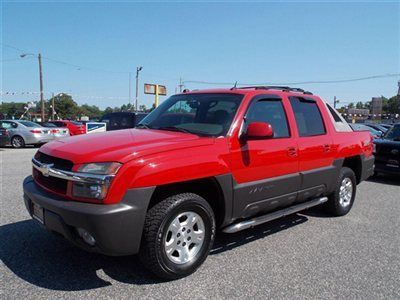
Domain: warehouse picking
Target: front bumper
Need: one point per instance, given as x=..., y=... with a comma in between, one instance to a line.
x=117, y=228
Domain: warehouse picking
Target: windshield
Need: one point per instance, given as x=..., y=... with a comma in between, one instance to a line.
x=29, y=124
x=201, y=114
x=393, y=133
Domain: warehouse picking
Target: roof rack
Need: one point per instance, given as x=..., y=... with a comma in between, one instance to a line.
x=275, y=87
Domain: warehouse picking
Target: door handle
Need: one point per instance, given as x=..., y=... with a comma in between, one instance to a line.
x=292, y=152
x=327, y=148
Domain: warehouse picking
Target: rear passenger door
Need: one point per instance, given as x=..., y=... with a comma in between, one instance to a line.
x=265, y=171
x=314, y=148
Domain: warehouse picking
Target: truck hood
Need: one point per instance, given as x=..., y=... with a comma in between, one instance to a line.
x=121, y=145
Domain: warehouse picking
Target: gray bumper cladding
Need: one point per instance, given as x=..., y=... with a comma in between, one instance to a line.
x=117, y=228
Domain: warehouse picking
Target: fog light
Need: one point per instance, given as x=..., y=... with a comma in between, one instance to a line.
x=86, y=236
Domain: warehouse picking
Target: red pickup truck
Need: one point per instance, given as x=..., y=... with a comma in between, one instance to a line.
x=223, y=159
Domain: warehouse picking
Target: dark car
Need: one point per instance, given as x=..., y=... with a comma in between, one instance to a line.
x=122, y=120
x=361, y=127
x=387, y=152
x=4, y=137
x=377, y=127
x=387, y=126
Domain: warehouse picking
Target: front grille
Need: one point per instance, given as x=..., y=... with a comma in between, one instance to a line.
x=59, y=163
x=54, y=184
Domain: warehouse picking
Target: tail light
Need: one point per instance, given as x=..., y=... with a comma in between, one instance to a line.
x=54, y=131
x=36, y=131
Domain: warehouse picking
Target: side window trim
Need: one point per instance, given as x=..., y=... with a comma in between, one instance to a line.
x=266, y=97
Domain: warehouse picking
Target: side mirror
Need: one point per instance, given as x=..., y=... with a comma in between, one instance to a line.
x=259, y=131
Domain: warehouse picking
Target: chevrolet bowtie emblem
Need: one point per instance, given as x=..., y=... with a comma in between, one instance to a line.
x=46, y=169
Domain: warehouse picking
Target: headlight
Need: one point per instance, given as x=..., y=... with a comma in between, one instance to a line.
x=95, y=190
x=107, y=168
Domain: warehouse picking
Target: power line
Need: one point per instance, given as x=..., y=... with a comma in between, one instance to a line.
x=298, y=82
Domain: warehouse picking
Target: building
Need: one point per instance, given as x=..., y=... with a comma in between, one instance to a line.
x=376, y=106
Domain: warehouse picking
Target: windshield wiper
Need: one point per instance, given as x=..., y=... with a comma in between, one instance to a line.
x=174, y=128
x=141, y=125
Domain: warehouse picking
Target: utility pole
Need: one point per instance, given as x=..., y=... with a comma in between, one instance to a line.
x=53, y=110
x=335, y=102
x=138, y=69
x=130, y=92
x=180, y=84
x=41, y=85
x=40, y=79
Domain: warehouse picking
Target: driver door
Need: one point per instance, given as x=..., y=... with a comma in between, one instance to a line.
x=266, y=172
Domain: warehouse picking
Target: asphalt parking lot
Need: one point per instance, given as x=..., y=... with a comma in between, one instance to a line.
x=306, y=255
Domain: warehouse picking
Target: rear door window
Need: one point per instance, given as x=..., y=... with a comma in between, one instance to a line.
x=308, y=117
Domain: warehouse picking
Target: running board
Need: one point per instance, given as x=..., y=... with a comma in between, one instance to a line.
x=274, y=215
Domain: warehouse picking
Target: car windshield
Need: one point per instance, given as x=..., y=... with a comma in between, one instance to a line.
x=393, y=133
x=29, y=124
x=201, y=114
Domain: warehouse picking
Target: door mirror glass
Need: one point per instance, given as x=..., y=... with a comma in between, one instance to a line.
x=259, y=131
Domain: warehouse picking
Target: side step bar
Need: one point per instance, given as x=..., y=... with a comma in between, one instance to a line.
x=274, y=215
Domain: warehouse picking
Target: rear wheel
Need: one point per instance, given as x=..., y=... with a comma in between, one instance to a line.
x=17, y=142
x=178, y=235
x=342, y=199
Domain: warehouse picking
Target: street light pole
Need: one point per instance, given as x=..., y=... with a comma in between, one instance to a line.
x=41, y=85
x=138, y=69
x=40, y=79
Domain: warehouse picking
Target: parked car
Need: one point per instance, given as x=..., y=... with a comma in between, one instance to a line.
x=26, y=133
x=361, y=127
x=387, y=126
x=58, y=132
x=377, y=127
x=74, y=127
x=4, y=137
x=227, y=159
x=387, y=152
x=122, y=120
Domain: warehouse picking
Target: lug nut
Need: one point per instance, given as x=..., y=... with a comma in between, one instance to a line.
x=188, y=230
x=178, y=235
x=189, y=238
x=183, y=229
x=178, y=242
x=184, y=244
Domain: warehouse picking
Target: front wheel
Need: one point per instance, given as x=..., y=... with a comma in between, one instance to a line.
x=342, y=199
x=178, y=235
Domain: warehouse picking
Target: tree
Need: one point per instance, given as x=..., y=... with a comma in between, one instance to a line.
x=12, y=109
x=359, y=105
x=65, y=106
x=142, y=107
x=92, y=111
x=351, y=105
x=108, y=110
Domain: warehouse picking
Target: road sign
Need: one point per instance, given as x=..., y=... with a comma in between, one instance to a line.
x=155, y=89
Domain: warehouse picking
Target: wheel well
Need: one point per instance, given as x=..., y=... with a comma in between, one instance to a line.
x=354, y=163
x=208, y=188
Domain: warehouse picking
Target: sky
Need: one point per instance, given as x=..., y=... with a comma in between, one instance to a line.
x=89, y=48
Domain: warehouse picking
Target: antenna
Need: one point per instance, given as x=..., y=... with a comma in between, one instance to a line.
x=234, y=86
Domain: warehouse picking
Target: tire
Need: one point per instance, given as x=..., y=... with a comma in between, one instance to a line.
x=172, y=245
x=17, y=142
x=341, y=200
